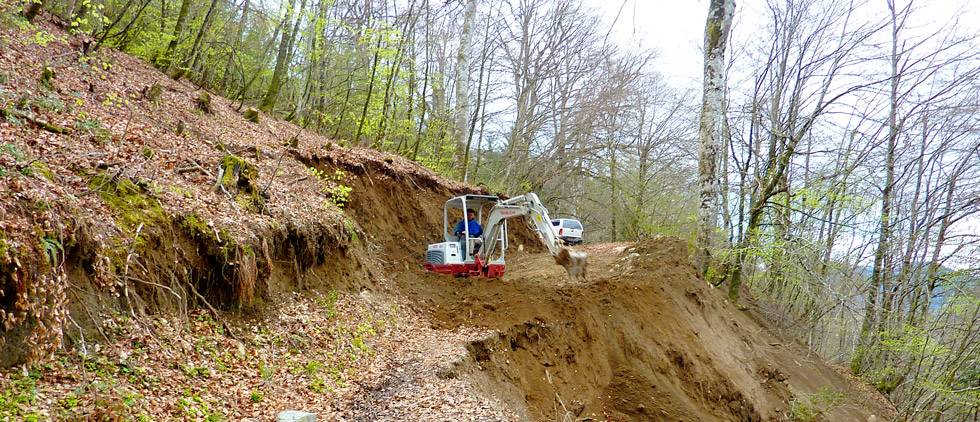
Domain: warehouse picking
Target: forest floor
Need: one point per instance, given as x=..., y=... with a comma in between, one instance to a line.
x=178, y=299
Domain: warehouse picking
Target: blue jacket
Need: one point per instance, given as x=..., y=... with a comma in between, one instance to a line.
x=475, y=229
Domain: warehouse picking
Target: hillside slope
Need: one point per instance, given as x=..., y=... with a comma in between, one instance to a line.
x=115, y=177
x=220, y=275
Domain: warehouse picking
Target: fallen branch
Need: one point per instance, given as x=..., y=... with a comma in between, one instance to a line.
x=217, y=182
x=194, y=166
x=41, y=123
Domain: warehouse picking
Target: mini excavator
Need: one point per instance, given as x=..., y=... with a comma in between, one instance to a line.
x=483, y=256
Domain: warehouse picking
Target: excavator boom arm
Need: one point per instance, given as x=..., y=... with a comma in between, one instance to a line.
x=534, y=213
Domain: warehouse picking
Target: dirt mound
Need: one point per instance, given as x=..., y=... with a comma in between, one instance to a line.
x=644, y=338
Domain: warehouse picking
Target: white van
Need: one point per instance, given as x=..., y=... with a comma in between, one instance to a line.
x=568, y=230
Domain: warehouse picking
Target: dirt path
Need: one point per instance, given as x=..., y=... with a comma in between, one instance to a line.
x=414, y=385
x=643, y=338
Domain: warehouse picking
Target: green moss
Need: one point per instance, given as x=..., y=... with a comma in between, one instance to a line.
x=130, y=203
x=240, y=178
x=247, y=202
x=203, y=101
x=133, y=205
x=154, y=92
x=180, y=191
x=4, y=248
x=217, y=242
x=252, y=115
x=713, y=31
x=41, y=168
x=235, y=168
x=196, y=226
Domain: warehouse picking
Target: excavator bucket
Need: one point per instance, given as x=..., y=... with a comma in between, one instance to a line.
x=574, y=262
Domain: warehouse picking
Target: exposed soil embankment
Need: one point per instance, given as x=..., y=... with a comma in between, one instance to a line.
x=643, y=339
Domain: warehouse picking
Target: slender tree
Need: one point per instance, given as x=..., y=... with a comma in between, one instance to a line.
x=282, y=57
x=716, y=30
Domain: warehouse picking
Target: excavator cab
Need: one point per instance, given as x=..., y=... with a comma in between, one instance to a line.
x=457, y=255
x=471, y=255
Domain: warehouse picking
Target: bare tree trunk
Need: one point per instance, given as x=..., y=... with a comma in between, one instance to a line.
x=613, y=195
x=175, y=36
x=194, y=55
x=392, y=77
x=462, y=77
x=880, y=269
x=716, y=31
x=479, y=103
x=425, y=86
x=282, y=58
x=235, y=46
x=367, y=100
x=246, y=85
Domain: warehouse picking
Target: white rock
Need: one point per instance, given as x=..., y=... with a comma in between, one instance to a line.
x=295, y=416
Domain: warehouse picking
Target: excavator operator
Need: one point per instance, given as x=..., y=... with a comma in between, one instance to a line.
x=474, y=227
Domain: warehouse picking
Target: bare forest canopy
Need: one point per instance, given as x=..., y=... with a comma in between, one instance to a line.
x=847, y=187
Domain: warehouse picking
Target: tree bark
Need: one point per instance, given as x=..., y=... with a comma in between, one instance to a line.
x=192, y=58
x=282, y=59
x=880, y=268
x=168, y=58
x=716, y=32
x=462, y=76
x=236, y=44
x=367, y=99
x=425, y=86
x=479, y=104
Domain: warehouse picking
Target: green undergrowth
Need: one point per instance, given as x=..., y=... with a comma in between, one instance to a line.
x=25, y=165
x=332, y=185
x=813, y=407
x=19, y=396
